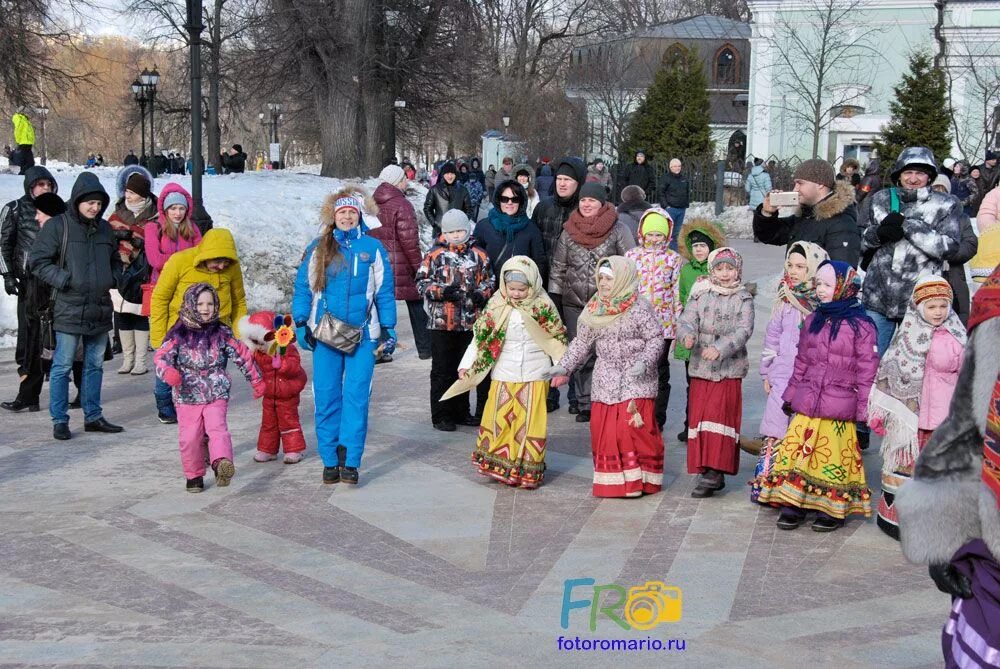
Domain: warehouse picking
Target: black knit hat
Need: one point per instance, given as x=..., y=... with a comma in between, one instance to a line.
x=446, y=168
x=50, y=204
x=567, y=170
x=699, y=237
x=594, y=190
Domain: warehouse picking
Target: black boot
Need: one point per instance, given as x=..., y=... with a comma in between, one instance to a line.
x=347, y=474
x=826, y=523
x=583, y=416
x=196, y=484
x=331, y=475
x=574, y=407
x=790, y=518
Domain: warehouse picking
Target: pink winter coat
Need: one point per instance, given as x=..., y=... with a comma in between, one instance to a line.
x=659, y=279
x=944, y=360
x=159, y=247
x=832, y=378
x=986, y=218
x=777, y=362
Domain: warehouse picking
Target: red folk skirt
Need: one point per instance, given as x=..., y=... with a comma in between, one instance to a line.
x=628, y=460
x=715, y=412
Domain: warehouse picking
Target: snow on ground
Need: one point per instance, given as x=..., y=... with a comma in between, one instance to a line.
x=737, y=222
x=273, y=215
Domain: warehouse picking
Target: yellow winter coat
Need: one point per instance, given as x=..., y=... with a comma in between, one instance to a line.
x=184, y=269
x=24, y=132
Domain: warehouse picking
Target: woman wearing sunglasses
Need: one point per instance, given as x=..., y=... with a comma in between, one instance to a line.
x=507, y=231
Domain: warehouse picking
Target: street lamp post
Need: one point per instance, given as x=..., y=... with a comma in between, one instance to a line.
x=43, y=111
x=194, y=27
x=149, y=81
x=274, y=109
x=140, y=97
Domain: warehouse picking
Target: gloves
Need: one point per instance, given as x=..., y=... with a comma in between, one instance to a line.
x=388, y=339
x=877, y=425
x=554, y=371
x=637, y=369
x=138, y=243
x=258, y=389
x=478, y=300
x=10, y=284
x=787, y=408
x=122, y=235
x=172, y=377
x=891, y=229
x=304, y=335
x=950, y=581
x=451, y=294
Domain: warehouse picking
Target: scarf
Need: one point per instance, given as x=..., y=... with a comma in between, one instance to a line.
x=709, y=283
x=137, y=209
x=508, y=225
x=190, y=330
x=538, y=312
x=590, y=232
x=895, y=395
x=845, y=306
x=801, y=296
x=602, y=312
x=188, y=313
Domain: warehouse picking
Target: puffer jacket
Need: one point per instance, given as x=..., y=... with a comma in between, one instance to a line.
x=442, y=198
x=358, y=290
x=941, y=367
x=629, y=214
x=545, y=181
x=400, y=235
x=92, y=265
x=184, y=269
x=722, y=321
x=932, y=232
x=521, y=360
x=659, y=274
x=159, y=247
x=989, y=210
x=676, y=191
x=833, y=377
x=203, y=368
x=573, y=265
x=832, y=223
x=463, y=265
x=285, y=382
x=758, y=184
x=18, y=227
x=550, y=215
x=24, y=132
x=777, y=362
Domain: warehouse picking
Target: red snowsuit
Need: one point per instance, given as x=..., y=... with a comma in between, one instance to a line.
x=283, y=386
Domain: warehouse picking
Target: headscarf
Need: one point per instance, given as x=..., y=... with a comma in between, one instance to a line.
x=801, y=296
x=189, y=330
x=602, y=312
x=188, y=313
x=895, y=395
x=845, y=306
x=541, y=320
x=717, y=257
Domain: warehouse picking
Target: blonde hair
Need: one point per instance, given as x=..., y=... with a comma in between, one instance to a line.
x=185, y=228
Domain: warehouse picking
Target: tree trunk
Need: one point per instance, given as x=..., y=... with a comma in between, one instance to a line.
x=214, y=75
x=380, y=144
x=340, y=123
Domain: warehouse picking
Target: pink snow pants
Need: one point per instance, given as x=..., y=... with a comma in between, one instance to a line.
x=194, y=421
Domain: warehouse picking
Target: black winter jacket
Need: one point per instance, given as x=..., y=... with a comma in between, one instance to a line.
x=676, y=191
x=92, y=264
x=234, y=164
x=642, y=176
x=831, y=223
x=18, y=227
x=442, y=198
x=551, y=214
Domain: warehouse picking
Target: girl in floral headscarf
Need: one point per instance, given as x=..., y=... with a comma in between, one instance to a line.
x=517, y=336
x=716, y=326
x=624, y=331
x=796, y=300
x=817, y=466
x=192, y=361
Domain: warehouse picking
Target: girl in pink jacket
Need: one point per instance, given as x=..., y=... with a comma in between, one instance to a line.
x=913, y=389
x=172, y=231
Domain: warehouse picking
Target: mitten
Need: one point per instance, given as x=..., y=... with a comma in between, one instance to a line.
x=172, y=377
x=877, y=425
x=304, y=335
x=554, y=371
x=10, y=284
x=451, y=294
x=122, y=235
x=890, y=230
x=258, y=389
x=787, y=408
x=637, y=369
x=950, y=581
x=388, y=339
x=478, y=300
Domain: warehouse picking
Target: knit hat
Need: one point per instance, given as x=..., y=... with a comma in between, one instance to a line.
x=633, y=193
x=392, y=174
x=523, y=172
x=942, y=180
x=818, y=171
x=699, y=237
x=173, y=198
x=516, y=276
x=238, y=147
x=932, y=288
x=992, y=155
x=726, y=255
x=348, y=202
x=566, y=170
x=50, y=204
x=138, y=184
x=594, y=190
x=656, y=221
x=447, y=168
x=455, y=220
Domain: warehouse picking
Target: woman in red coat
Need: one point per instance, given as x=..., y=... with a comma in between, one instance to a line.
x=284, y=380
x=400, y=235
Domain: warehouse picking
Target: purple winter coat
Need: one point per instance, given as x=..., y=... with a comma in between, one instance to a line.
x=832, y=379
x=781, y=342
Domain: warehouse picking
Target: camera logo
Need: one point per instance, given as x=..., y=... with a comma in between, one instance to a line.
x=637, y=608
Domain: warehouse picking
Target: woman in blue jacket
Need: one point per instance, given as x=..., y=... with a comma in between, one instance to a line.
x=346, y=273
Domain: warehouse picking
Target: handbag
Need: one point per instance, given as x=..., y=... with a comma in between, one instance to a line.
x=339, y=334
x=46, y=317
x=147, y=298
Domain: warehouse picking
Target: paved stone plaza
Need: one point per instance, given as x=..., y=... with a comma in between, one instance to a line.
x=108, y=562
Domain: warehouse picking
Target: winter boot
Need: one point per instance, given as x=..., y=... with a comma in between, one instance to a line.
x=224, y=471
x=261, y=456
x=293, y=458
x=790, y=518
x=127, y=338
x=331, y=475
x=826, y=523
x=141, y=344
x=196, y=484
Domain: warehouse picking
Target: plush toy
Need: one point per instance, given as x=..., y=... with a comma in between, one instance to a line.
x=271, y=337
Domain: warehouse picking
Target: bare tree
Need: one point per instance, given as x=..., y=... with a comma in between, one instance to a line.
x=972, y=68
x=824, y=60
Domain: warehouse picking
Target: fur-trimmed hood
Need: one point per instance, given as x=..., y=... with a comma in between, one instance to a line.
x=837, y=203
x=704, y=226
x=369, y=217
x=252, y=334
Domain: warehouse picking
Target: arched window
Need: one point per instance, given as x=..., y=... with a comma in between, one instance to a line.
x=727, y=66
x=674, y=54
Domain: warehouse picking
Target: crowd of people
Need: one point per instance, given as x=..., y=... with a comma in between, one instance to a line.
x=869, y=331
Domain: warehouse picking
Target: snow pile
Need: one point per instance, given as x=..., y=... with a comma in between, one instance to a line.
x=737, y=222
x=273, y=215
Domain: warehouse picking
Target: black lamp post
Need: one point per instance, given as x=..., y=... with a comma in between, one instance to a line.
x=274, y=109
x=149, y=81
x=140, y=97
x=194, y=27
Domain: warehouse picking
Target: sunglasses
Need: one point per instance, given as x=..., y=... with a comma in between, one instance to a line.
x=509, y=200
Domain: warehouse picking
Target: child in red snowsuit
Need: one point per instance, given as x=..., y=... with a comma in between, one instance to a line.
x=284, y=380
